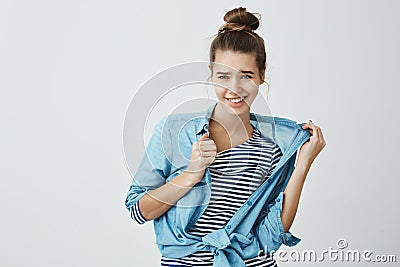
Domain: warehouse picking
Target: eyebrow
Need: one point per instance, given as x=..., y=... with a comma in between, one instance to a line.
x=246, y=71
x=242, y=71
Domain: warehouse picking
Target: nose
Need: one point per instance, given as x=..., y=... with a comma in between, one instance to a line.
x=235, y=85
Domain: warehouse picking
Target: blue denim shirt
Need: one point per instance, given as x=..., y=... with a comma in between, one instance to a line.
x=256, y=225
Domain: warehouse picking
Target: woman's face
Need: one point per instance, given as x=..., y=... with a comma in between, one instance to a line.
x=236, y=79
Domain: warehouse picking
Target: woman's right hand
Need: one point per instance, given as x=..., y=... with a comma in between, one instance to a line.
x=158, y=201
x=203, y=154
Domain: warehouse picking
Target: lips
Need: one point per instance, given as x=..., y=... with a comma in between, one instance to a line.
x=235, y=99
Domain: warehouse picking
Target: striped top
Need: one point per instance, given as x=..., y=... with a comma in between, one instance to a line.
x=236, y=173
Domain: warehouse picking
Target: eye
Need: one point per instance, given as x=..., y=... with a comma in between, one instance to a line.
x=246, y=76
x=224, y=77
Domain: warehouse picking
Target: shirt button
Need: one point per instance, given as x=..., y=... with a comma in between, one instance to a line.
x=268, y=180
x=278, y=200
x=249, y=203
x=228, y=226
x=207, y=247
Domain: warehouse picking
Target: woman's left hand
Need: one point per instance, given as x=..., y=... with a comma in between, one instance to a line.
x=311, y=148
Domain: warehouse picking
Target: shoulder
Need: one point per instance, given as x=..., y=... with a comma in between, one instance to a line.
x=179, y=118
x=176, y=123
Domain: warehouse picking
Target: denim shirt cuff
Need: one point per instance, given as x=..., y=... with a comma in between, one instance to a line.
x=286, y=238
x=133, y=197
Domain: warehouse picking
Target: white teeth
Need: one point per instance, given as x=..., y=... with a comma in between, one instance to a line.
x=235, y=100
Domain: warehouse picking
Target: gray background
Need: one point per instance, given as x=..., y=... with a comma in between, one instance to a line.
x=70, y=68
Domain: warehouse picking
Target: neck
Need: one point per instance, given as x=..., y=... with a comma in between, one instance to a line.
x=230, y=121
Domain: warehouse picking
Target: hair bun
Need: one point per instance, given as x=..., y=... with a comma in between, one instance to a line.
x=239, y=19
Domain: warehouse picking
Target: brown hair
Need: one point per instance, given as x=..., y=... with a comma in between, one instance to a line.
x=238, y=35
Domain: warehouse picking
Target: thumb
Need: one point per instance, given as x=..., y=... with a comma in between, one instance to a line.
x=204, y=137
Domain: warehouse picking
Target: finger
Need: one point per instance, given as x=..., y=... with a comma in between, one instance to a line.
x=208, y=147
x=210, y=160
x=317, y=130
x=213, y=159
x=320, y=135
x=204, y=137
x=307, y=126
x=313, y=128
x=207, y=142
x=206, y=154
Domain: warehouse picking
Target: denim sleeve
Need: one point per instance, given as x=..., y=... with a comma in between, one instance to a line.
x=154, y=167
x=270, y=232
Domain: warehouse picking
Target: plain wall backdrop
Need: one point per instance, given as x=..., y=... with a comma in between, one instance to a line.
x=68, y=70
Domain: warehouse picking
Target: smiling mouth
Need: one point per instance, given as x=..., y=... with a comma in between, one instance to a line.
x=235, y=99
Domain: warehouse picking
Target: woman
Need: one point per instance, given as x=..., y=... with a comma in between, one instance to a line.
x=224, y=206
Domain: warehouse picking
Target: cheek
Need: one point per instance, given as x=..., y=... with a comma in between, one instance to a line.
x=219, y=91
x=251, y=88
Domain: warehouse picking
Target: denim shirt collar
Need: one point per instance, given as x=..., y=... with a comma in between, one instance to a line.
x=202, y=125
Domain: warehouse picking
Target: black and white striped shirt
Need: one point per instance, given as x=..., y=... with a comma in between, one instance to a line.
x=236, y=173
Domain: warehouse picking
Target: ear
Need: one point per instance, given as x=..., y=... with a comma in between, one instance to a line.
x=262, y=76
x=211, y=71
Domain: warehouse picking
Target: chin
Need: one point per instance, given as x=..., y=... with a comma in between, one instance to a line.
x=238, y=108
